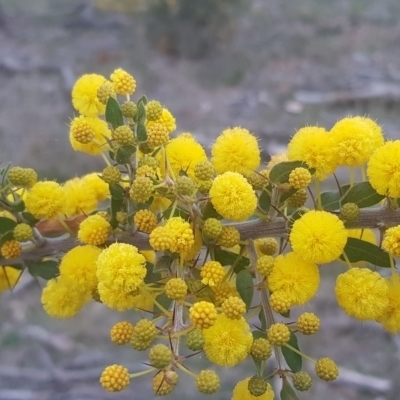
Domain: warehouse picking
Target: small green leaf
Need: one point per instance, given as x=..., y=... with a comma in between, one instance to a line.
x=117, y=191
x=244, y=285
x=262, y=319
x=280, y=172
x=287, y=392
x=360, y=250
x=47, y=269
x=210, y=212
x=6, y=237
x=116, y=205
x=178, y=212
x=152, y=275
x=163, y=263
x=143, y=100
x=6, y=225
x=362, y=194
x=29, y=218
x=293, y=360
x=141, y=132
x=330, y=201
x=228, y=258
x=141, y=113
x=264, y=201
x=164, y=301
x=18, y=206
x=287, y=195
x=124, y=154
x=113, y=113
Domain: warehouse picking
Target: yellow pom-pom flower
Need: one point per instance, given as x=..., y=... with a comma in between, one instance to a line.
x=235, y=150
x=160, y=239
x=121, y=332
x=296, y=278
x=241, y=392
x=84, y=95
x=9, y=277
x=168, y=120
x=299, y=178
x=228, y=341
x=121, y=267
x=313, y=145
x=181, y=233
x=390, y=318
x=212, y=273
x=79, y=265
x=234, y=307
x=116, y=300
x=123, y=82
x=223, y=291
x=384, y=169
x=376, y=134
x=318, y=237
x=362, y=293
x=157, y=133
x=94, y=230
x=45, y=200
x=94, y=183
x=233, y=197
x=99, y=130
x=203, y=314
x=145, y=221
x=115, y=378
x=278, y=334
x=176, y=289
x=10, y=249
x=391, y=241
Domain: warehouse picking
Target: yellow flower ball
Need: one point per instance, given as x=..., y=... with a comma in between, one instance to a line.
x=390, y=318
x=318, y=237
x=376, y=134
x=10, y=249
x=241, y=392
x=168, y=120
x=384, y=169
x=391, y=241
x=100, y=133
x=233, y=197
x=228, y=341
x=212, y=273
x=121, y=267
x=362, y=293
x=202, y=314
x=313, y=145
x=45, y=200
x=235, y=150
x=115, y=378
x=84, y=95
x=9, y=277
x=123, y=82
x=94, y=183
x=181, y=233
x=116, y=300
x=94, y=230
x=297, y=278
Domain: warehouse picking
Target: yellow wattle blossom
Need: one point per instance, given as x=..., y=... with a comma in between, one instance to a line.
x=362, y=293
x=318, y=237
x=94, y=230
x=241, y=392
x=123, y=82
x=235, y=150
x=390, y=318
x=121, y=268
x=391, y=241
x=384, y=169
x=9, y=277
x=202, y=314
x=97, y=185
x=181, y=233
x=168, y=120
x=376, y=134
x=313, y=145
x=79, y=265
x=116, y=300
x=223, y=291
x=45, y=200
x=296, y=278
x=228, y=341
x=184, y=153
x=352, y=141
x=233, y=197
x=100, y=132
x=212, y=273
x=84, y=95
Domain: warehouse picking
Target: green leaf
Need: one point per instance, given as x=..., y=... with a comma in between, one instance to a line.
x=360, y=250
x=124, y=154
x=244, y=285
x=113, y=113
x=362, y=194
x=6, y=225
x=116, y=205
x=163, y=263
x=152, y=275
x=164, y=301
x=18, y=206
x=29, y=218
x=262, y=319
x=141, y=113
x=287, y=392
x=330, y=201
x=117, y=191
x=143, y=100
x=264, y=201
x=141, y=132
x=6, y=237
x=178, y=212
x=47, y=269
x=280, y=172
x=293, y=360
x=210, y=212
x=287, y=195
x=228, y=258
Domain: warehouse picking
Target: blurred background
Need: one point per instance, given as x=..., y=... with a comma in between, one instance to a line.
x=271, y=66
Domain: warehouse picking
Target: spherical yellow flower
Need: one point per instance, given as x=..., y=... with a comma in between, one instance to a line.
x=202, y=314
x=181, y=233
x=10, y=249
x=352, y=141
x=228, y=341
x=116, y=300
x=223, y=291
x=391, y=241
x=313, y=145
x=61, y=298
x=363, y=234
x=212, y=273
x=376, y=134
x=9, y=277
x=297, y=278
x=184, y=153
x=318, y=236
x=123, y=82
x=241, y=392
x=235, y=150
x=362, y=293
x=99, y=130
x=94, y=183
x=233, y=197
x=168, y=120
x=84, y=95
x=45, y=200
x=390, y=318
x=115, y=378
x=79, y=265
x=145, y=221
x=160, y=239
x=94, y=230
x=121, y=267
x=384, y=169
